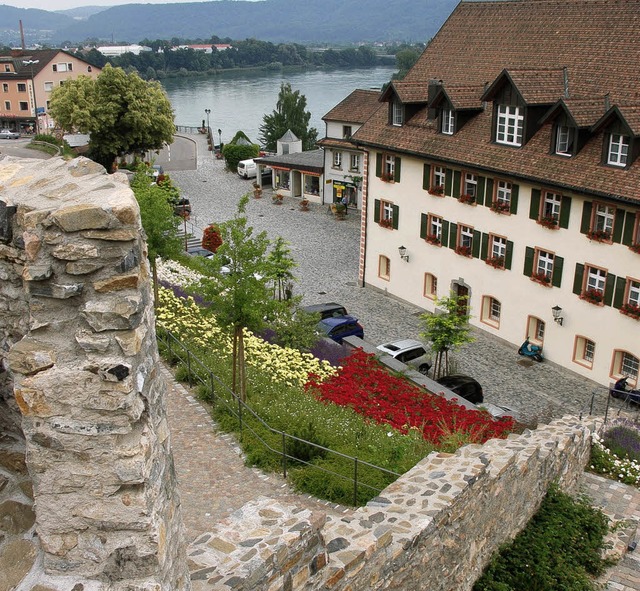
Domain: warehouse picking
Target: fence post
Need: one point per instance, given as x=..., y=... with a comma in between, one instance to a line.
x=355, y=482
x=606, y=409
x=213, y=396
x=189, y=367
x=284, y=454
x=240, y=413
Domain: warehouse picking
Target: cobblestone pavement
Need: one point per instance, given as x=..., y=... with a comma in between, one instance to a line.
x=326, y=251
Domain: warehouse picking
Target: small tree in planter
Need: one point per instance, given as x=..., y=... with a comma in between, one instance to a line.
x=211, y=238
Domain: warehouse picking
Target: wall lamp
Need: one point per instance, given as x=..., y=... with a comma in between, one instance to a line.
x=403, y=253
x=557, y=314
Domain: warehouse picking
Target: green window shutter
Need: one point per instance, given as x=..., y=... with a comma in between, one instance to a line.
x=378, y=164
x=423, y=225
x=509, y=255
x=488, y=194
x=376, y=211
x=396, y=215
x=453, y=235
x=577, y=279
x=426, y=176
x=481, y=190
x=609, y=288
x=618, y=296
x=585, y=225
x=556, y=275
x=455, y=192
x=565, y=211
x=445, y=233
x=529, y=253
x=448, y=181
x=618, y=223
x=629, y=225
x=475, y=245
x=515, y=190
x=396, y=169
x=484, y=249
x=534, y=206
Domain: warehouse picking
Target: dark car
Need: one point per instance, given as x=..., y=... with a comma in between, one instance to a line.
x=340, y=327
x=198, y=251
x=328, y=310
x=464, y=386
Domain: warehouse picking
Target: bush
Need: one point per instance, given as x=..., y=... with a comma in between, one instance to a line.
x=624, y=441
x=560, y=549
x=615, y=455
x=211, y=238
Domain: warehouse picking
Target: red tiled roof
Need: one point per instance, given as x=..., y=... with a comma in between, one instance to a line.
x=356, y=108
x=534, y=40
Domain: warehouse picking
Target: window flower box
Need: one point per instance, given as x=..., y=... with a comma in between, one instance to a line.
x=548, y=221
x=593, y=296
x=433, y=239
x=496, y=262
x=464, y=251
x=635, y=247
x=386, y=177
x=541, y=278
x=466, y=198
x=599, y=235
x=437, y=190
x=386, y=224
x=501, y=207
x=631, y=310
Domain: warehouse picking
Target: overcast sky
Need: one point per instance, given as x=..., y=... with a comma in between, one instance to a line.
x=65, y=4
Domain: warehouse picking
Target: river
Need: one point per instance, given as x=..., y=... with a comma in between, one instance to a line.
x=238, y=100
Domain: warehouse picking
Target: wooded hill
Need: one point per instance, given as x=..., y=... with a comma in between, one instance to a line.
x=300, y=21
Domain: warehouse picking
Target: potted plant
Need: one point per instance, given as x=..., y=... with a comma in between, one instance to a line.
x=593, y=296
x=433, y=239
x=304, y=204
x=257, y=191
x=437, y=190
x=542, y=278
x=277, y=198
x=631, y=310
x=339, y=209
x=500, y=207
x=496, y=262
x=464, y=251
x=599, y=235
x=466, y=198
x=548, y=221
x=211, y=238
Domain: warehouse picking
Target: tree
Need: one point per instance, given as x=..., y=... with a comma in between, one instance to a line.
x=290, y=113
x=280, y=269
x=122, y=113
x=447, y=330
x=405, y=60
x=238, y=149
x=242, y=298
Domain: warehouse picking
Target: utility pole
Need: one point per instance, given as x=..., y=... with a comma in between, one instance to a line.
x=33, y=89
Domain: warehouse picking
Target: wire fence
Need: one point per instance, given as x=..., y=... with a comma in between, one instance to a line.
x=249, y=422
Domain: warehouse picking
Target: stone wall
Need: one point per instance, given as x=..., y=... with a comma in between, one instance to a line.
x=79, y=365
x=435, y=528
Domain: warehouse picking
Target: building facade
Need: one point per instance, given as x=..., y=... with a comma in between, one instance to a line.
x=509, y=172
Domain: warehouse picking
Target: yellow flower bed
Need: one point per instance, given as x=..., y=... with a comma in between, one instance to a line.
x=185, y=319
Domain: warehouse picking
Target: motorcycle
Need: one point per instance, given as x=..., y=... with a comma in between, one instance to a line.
x=529, y=350
x=620, y=390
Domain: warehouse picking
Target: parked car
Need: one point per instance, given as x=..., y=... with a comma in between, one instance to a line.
x=328, y=310
x=247, y=169
x=198, y=251
x=339, y=327
x=409, y=351
x=7, y=134
x=464, y=386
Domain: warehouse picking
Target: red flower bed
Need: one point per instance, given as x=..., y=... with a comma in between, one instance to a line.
x=365, y=386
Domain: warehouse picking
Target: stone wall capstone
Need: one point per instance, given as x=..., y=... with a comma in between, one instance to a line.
x=80, y=378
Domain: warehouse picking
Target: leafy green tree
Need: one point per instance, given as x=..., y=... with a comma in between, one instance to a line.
x=239, y=148
x=405, y=59
x=122, y=113
x=242, y=298
x=447, y=330
x=158, y=222
x=280, y=269
x=290, y=113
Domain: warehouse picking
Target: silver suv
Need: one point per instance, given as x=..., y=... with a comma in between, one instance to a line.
x=410, y=352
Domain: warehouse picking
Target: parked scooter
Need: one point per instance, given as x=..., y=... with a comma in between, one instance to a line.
x=621, y=390
x=529, y=350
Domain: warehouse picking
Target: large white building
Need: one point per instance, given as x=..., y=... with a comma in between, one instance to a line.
x=506, y=163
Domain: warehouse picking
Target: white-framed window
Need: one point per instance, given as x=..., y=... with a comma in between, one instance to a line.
x=48, y=86
x=430, y=286
x=389, y=166
x=22, y=87
x=386, y=211
x=603, y=217
x=464, y=242
x=498, y=247
x=563, y=139
x=448, y=121
x=633, y=292
x=491, y=311
x=435, y=227
x=544, y=263
x=596, y=279
x=384, y=267
x=354, y=164
x=337, y=159
x=625, y=364
x=584, y=351
x=551, y=205
x=618, y=150
x=439, y=175
x=470, y=184
x=397, y=114
x=510, y=125
x=503, y=192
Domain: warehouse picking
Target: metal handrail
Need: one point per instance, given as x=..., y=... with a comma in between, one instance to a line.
x=47, y=145
x=211, y=381
x=603, y=397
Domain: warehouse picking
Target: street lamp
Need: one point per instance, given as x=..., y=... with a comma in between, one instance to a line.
x=33, y=89
x=220, y=138
x=207, y=111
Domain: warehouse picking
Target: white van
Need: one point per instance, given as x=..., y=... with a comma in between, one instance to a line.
x=247, y=169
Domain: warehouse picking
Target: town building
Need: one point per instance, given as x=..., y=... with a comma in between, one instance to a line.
x=504, y=167
x=27, y=78
x=116, y=50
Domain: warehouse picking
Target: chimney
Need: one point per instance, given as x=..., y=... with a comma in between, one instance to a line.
x=22, y=36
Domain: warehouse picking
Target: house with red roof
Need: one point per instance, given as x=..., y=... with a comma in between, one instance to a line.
x=506, y=165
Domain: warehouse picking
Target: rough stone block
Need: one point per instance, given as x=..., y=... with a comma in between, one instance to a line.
x=16, y=518
x=117, y=283
x=28, y=357
x=116, y=235
x=114, y=314
x=37, y=272
x=75, y=252
x=55, y=290
x=16, y=559
x=82, y=217
x=83, y=267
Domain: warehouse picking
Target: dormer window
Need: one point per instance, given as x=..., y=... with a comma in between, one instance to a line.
x=448, y=122
x=618, y=150
x=346, y=132
x=564, y=140
x=510, y=125
x=396, y=113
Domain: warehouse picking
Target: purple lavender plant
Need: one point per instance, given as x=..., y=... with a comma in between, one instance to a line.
x=623, y=439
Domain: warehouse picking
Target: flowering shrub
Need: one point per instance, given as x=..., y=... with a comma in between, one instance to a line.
x=176, y=274
x=466, y=198
x=211, y=238
x=599, y=235
x=365, y=386
x=607, y=462
x=631, y=310
x=593, y=296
